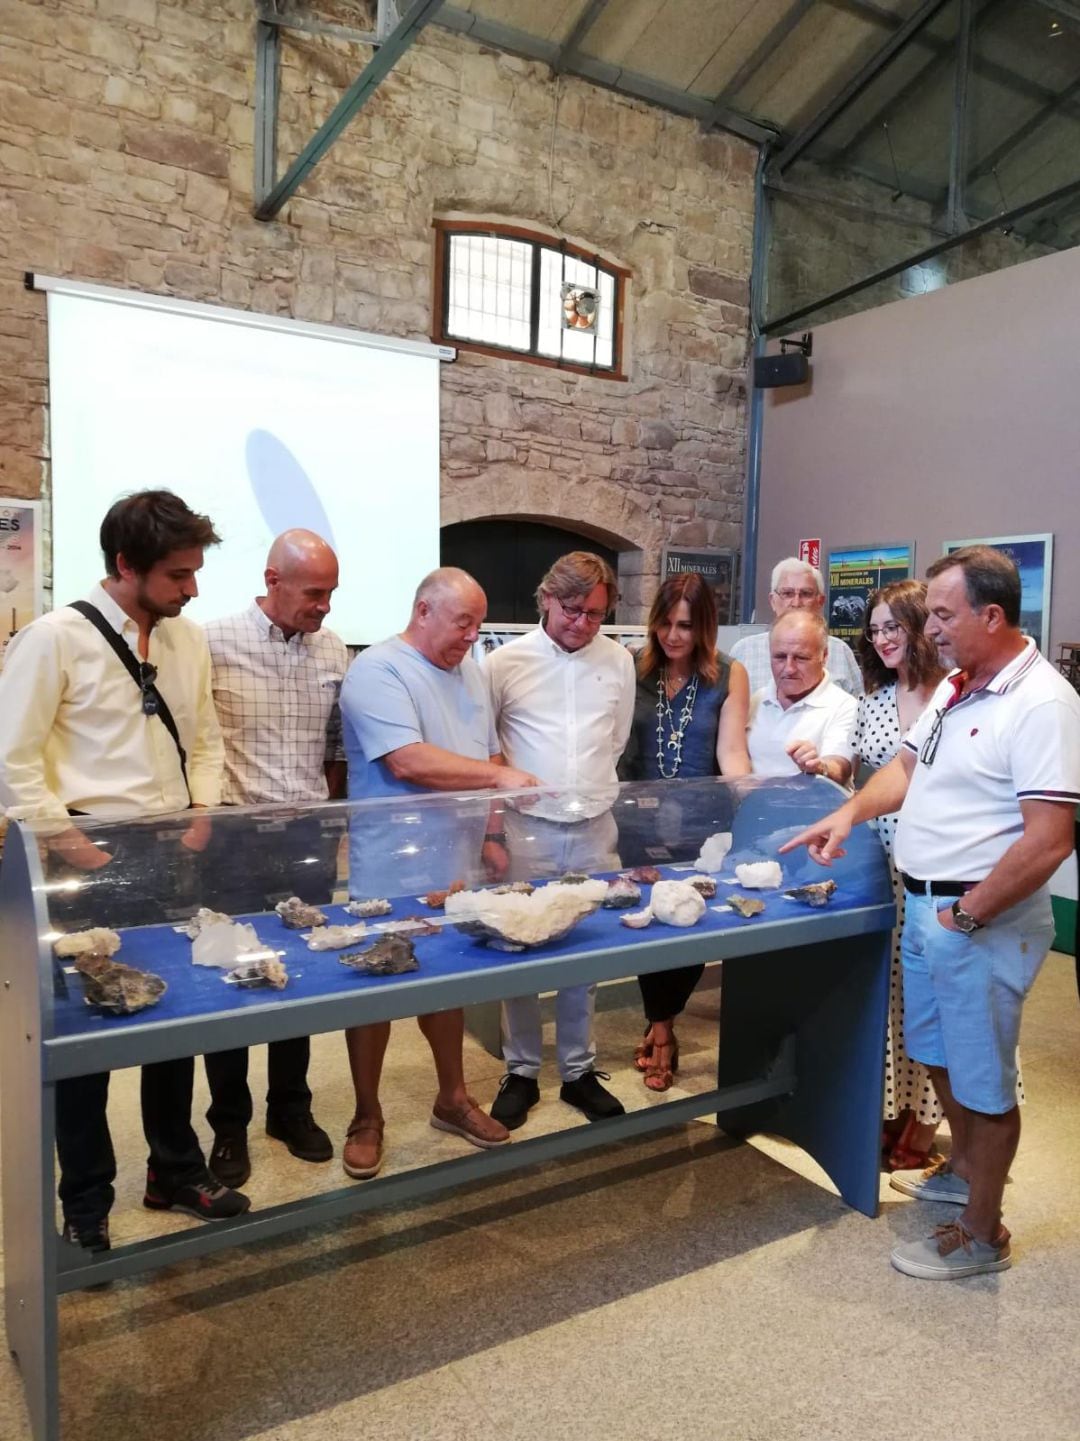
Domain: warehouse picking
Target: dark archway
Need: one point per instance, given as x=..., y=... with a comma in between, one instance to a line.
x=508, y=558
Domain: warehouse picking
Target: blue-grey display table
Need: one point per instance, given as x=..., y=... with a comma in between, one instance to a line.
x=802, y=1032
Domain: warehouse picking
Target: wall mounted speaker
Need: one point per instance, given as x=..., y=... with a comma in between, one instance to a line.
x=774, y=370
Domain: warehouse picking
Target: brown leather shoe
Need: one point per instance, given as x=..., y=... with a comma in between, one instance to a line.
x=471, y=1122
x=362, y=1157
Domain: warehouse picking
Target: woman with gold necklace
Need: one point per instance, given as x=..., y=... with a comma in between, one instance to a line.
x=689, y=720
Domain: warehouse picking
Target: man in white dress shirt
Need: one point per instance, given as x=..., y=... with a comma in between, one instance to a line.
x=81, y=736
x=795, y=585
x=801, y=721
x=277, y=677
x=563, y=700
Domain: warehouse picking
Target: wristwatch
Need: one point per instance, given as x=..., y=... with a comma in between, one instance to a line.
x=965, y=924
x=497, y=838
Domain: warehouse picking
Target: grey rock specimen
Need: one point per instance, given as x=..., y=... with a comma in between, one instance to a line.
x=746, y=906
x=117, y=988
x=818, y=894
x=297, y=915
x=622, y=892
x=390, y=956
x=573, y=878
x=366, y=909
x=514, y=888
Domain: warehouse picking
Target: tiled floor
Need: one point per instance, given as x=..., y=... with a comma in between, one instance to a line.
x=683, y=1287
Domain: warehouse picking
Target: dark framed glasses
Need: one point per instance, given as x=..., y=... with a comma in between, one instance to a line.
x=147, y=677
x=933, y=740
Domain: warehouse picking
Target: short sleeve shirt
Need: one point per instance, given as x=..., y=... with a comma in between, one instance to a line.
x=826, y=717
x=1016, y=739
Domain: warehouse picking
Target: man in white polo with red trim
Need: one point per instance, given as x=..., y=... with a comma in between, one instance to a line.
x=986, y=782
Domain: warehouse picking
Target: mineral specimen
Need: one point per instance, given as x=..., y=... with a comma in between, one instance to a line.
x=713, y=852
x=514, y=888
x=818, y=894
x=704, y=885
x=297, y=915
x=202, y=918
x=335, y=938
x=622, y=892
x=410, y=926
x=676, y=903
x=389, y=956
x=512, y=922
x=437, y=899
x=637, y=920
x=746, y=906
x=225, y=943
x=573, y=878
x=644, y=875
x=264, y=970
x=97, y=941
x=116, y=987
x=369, y=908
x=759, y=875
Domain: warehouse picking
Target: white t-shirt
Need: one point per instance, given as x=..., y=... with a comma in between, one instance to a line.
x=826, y=717
x=564, y=716
x=1016, y=739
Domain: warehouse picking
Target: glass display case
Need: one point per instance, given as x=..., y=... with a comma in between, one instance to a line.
x=124, y=942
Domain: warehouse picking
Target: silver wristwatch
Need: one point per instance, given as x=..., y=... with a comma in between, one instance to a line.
x=964, y=923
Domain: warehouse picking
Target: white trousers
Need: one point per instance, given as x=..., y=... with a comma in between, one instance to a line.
x=544, y=850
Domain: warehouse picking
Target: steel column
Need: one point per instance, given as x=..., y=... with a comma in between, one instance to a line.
x=267, y=69
x=376, y=70
x=958, y=137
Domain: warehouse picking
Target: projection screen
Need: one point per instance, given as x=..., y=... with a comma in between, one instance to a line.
x=261, y=423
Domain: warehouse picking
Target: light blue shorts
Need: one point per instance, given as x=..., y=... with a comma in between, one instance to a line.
x=963, y=995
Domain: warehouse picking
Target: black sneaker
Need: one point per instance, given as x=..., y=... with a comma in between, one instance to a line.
x=589, y=1096
x=306, y=1140
x=517, y=1095
x=92, y=1236
x=229, y=1161
x=201, y=1199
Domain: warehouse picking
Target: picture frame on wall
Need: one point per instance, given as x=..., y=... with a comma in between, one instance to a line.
x=21, y=587
x=854, y=573
x=719, y=567
x=1033, y=556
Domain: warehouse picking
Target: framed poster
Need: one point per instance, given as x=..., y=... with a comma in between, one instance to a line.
x=1033, y=556
x=719, y=567
x=855, y=572
x=20, y=566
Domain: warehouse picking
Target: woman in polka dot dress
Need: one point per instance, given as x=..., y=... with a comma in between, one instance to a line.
x=901, y=671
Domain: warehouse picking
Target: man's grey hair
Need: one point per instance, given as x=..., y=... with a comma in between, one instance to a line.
x=444, y=581
x=792, y=562
x=814, y=619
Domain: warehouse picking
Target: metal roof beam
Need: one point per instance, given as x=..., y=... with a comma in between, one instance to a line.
x=599, y=72
x=765, y=51
x=991, y=161
x=374, y=72
x=855, y=87
x=960, y=132
x=287, y=20
x=582, y=25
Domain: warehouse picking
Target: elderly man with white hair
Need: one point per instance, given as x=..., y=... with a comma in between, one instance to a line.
x=795, y=585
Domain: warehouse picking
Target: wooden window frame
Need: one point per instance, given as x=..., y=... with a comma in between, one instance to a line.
x=540, y=239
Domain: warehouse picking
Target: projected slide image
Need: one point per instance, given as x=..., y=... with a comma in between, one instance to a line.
x=261, y=430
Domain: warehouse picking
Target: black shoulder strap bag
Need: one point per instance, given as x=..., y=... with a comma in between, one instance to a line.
x=142, y=673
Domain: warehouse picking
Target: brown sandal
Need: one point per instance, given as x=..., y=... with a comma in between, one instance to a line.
x=657, y=1077
x=643, y=1052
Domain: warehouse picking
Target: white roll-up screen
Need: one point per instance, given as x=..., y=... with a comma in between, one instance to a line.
x=261, y=424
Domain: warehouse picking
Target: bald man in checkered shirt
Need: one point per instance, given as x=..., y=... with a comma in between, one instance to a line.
x=276, y=679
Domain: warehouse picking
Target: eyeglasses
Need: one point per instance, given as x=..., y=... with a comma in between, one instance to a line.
x=933, y=740
x=147, y=676
x=574, y=613
x=890, y=630
x=797, y=594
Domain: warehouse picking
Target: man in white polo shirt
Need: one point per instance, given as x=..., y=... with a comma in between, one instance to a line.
x=801, y=721
x=988, y=780
x=563, y=701
x=796, y=585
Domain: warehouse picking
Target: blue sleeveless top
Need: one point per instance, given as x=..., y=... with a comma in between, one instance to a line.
x=640, y=761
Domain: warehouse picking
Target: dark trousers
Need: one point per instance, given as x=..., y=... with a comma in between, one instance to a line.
x=120, y=894
x=298, y=858
x=665, y=993
x=287, y=1092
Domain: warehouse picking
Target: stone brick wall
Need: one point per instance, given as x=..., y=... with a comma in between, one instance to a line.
x=126, y=158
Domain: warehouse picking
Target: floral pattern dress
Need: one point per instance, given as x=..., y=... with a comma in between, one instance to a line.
x=907, y=1083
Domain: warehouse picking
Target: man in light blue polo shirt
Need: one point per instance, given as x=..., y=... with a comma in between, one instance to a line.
x=416, y=718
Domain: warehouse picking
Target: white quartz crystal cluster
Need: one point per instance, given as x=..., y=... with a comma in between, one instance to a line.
x=224, y=943
x=676, y=903
x=513, y=921
x=713, y=852
x=759, y=875
x=335, y=938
